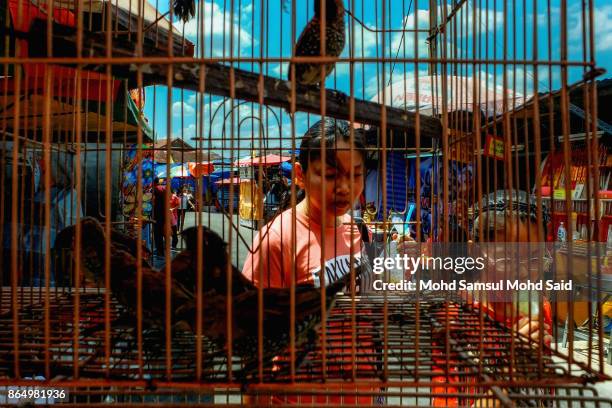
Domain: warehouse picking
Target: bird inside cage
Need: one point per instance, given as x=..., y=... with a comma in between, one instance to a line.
x=309, y=42
x=202, y=243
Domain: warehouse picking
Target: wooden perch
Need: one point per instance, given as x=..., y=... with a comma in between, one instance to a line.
x=277, y=92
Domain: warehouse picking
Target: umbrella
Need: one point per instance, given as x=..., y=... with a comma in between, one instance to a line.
x=224, y=161
x=219, y=174
x=286, y=169
x=460, y=91
x=267, y=160
x=200, y=169
x=176, y=170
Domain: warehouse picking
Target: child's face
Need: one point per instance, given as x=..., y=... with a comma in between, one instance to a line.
x=340, y=190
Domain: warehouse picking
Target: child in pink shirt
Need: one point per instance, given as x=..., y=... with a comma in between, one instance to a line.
x=326, y=237
x=323, y=228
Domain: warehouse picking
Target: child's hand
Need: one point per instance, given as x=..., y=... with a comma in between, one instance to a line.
x=531, y=328
x=406, y=245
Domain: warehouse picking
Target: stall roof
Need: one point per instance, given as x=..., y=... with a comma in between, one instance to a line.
x=149, y=12
x=124, y=123
x=126, y=14
x=267, y=160
x=181, y=152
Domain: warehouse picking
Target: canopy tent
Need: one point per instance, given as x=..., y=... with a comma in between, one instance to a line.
x=220, y=174
x=200, y=169
x=63, y=116
x=183, y=170
x=176, y=170
x=286, y=168
x=267, y=160
x=217, y=175
x=489, y=97
x=221, y=161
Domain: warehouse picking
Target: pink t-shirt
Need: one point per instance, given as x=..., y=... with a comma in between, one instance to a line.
x=174, y=203
x=273, y=248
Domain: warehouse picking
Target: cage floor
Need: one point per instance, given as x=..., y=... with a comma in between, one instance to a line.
x=559, y=396
x=369, y=339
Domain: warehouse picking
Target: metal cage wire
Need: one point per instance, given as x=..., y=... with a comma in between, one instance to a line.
x=101, y=97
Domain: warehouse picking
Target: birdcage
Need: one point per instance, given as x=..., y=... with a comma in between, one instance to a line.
x=428, y=203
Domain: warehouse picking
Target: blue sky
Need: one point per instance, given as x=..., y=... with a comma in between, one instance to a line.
x=191, y=114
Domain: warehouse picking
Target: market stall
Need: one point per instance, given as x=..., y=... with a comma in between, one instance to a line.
x=223, y=192
x=259, y=201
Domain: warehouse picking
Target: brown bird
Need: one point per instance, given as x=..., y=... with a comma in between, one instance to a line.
x=213, y=250
x=309, y=42
x=123, y=269
x=119, y=239
x=214, y=253
x=276, y=305
x=64, y=242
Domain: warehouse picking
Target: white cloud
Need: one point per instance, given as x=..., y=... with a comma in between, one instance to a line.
x=180, y=108
x=544, y=16
x=422, y=20
x=372, y=86
x=525, y=77
x=364, y=40
x=341, y=69
x=405, y=41
x=489, y=19
x=247, y=125
x=218, y=25
x=405, y=45
x=602, y=32
x=247, y=9
x=187, y=134
x=245, y=134
x=192, y=99
x=280, y=70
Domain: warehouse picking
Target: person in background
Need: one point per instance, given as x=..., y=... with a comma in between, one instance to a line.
x=186, y=204
x=159, y=215
x=505, y=223
x=65, y=208
x=511, y=217
x=175, y=202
